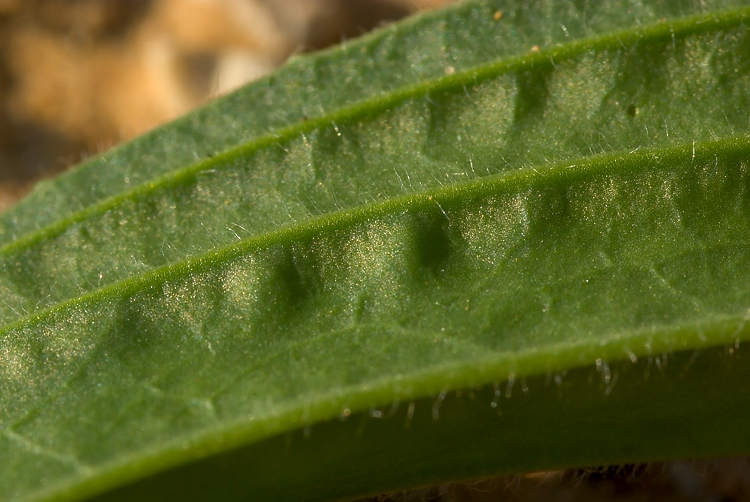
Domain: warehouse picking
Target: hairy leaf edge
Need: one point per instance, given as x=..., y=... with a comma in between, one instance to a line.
x=614, y=347
x=657, y=31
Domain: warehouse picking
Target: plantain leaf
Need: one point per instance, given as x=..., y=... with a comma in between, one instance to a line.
x=497, y=238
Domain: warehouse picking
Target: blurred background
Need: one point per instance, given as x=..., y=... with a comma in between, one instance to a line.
x=79, y=76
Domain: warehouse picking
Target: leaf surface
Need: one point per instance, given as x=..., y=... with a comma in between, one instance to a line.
x=459, y=38
x=527, y=243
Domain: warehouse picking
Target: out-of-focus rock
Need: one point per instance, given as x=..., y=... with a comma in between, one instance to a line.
x=78, y=76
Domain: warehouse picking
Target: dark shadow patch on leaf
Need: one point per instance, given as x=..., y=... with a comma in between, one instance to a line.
x=549, y=212
x=533, y=93
x=292, y=284
x=432, y=243
x=292, y=287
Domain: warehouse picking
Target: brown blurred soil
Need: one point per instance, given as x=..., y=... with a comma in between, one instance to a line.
x=719, y=480
x=79, y=76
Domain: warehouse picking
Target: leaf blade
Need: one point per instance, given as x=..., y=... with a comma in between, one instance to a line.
x=116, y=331
x=435, y=289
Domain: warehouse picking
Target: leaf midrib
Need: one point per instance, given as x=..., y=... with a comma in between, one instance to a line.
x=529, y=177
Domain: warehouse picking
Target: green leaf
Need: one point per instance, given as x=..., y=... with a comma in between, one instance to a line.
x=465, y=245
x=461, y=38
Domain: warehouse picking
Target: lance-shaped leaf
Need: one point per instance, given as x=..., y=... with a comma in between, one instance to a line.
x=535, y=261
